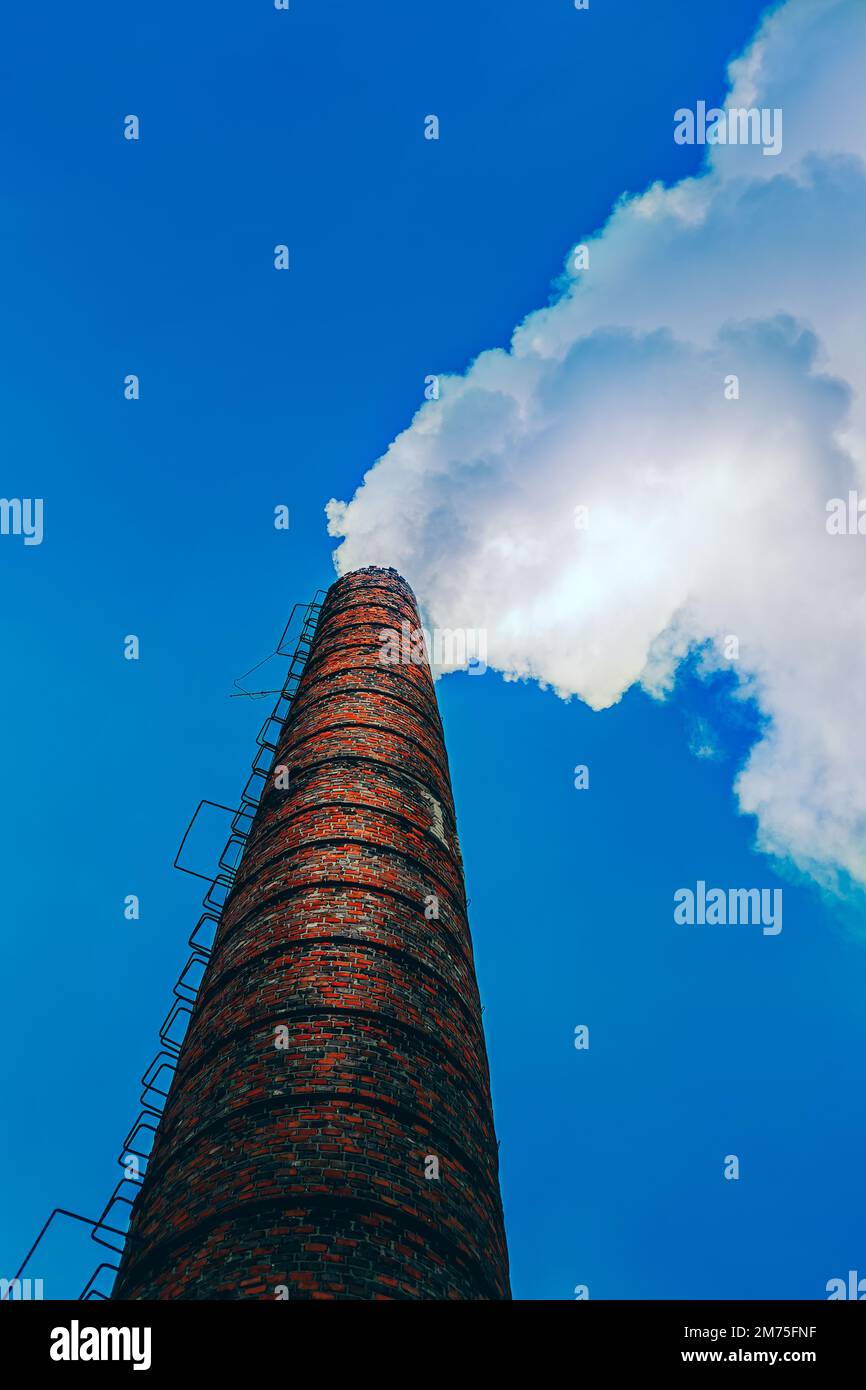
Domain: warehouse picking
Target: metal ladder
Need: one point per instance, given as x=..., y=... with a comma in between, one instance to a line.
x=157, y=1078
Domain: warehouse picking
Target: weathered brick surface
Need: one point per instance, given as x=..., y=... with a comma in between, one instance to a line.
x=303, y=1165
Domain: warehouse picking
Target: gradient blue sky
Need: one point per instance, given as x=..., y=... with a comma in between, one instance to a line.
x=258, y=388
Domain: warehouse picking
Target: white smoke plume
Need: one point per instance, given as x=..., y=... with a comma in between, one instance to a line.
x=706, y=515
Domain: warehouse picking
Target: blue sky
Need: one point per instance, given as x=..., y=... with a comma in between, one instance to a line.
x=258, y=388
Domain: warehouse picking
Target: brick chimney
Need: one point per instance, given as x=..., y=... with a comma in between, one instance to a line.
x=329, y=1131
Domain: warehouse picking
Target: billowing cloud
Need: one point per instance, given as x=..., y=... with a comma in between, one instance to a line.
x=647, y=469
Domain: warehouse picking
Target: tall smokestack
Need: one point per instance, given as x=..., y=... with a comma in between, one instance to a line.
x=329, y=1131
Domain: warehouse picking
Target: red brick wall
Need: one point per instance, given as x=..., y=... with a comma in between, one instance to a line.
x=303, y=1167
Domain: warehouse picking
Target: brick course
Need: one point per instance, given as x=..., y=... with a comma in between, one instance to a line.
x=302, y=1166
